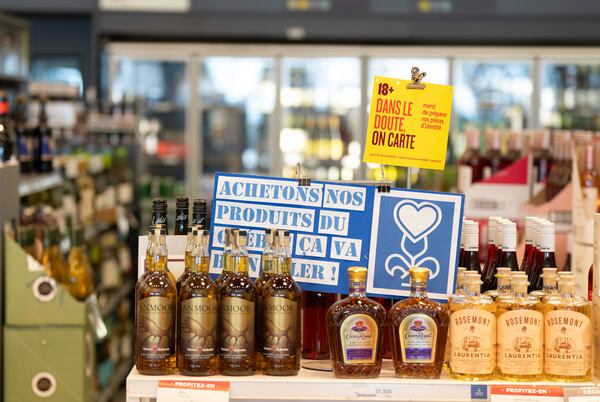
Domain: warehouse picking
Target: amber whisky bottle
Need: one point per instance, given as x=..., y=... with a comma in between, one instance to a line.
x=420, y=328
x=155, y=319
x=198, y=310
x=280, y=314
x=356, y=327
x=267, y=271
x=227, y=256
x=237, y=314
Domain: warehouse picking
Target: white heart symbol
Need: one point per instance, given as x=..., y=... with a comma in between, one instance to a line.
x=417, y=220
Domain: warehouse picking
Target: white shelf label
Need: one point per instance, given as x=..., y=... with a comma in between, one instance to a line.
x=192, y=391
x=526, y=393
x=583, y=394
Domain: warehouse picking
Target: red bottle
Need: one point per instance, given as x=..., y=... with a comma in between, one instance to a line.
x=493, y=157
x=528, y=242
x=542, y=157
x=315, y=345
x=470, y=259
x=535, y=245
x=471, y=164
x=515, y=148
x=545, y=257
x=491, y=249
x=489, y=279
x=591, y=282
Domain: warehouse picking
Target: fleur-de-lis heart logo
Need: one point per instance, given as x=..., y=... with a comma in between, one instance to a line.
x=417, y=220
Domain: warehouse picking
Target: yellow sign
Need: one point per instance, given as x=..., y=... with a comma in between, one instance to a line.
x=408, y=127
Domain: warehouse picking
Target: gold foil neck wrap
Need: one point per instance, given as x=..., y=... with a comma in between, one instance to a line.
x=419, y=274
x=357, y=274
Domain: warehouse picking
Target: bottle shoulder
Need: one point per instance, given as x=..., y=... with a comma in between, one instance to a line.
x=356, y=305
x=198, y=283
x=417, y=305
x=279, y=283
x=237, y=282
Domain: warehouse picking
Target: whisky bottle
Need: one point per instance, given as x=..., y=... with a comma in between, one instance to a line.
x=155, y=319
x=199, y=213
x=280, y=331
x=460, y=279
x=550, y=288
x=159, y=214
x=267, y=271
x=52, y=260
x=356, y=326
x=568, y=335
x=237, y=313
x=198, y=311
x=470, y=259
x=192, y=237
x=520, y=335
x=472, y=334
x=227, y=256
x=182, y=212
x=80, y=276
x=419, y=327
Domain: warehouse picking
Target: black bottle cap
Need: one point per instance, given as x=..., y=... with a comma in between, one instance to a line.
x=182, y=202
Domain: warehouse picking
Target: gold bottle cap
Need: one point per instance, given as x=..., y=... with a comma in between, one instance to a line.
x=419, y=274
x=357, y=274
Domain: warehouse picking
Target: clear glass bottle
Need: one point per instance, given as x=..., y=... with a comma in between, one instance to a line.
x=237, y=313
x=227, y=256
x=550, y=288
x=503, y=276
x=520, y=335
x=80, y=276
x=472, y=334
x=280, y=315
x=156, y=301
x=198, y=311
x=356, y=326
x=419, y=327
x=568, y=335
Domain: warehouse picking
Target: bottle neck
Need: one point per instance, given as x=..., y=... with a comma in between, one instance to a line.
x=550, y=286
x=472, y=290
x=158, y=263
x=418, y=289
x=357, y=287
x=181, y=221
x=519, y=290
x=567, y=291
x=199, y=263
x=504, y=286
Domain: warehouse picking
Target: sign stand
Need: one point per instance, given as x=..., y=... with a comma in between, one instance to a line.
x=416, y=76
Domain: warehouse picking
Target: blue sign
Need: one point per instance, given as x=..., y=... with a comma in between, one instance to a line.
x=338, y=225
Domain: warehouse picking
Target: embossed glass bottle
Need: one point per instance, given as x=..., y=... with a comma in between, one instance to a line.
x=226, y=258
x=520, y=334
x=568, y=335
x=155, y=320
x=198, y=310
x=420, y=327
x=355, y=326
x=472, y=333
x=280, y=332
x=237, y=313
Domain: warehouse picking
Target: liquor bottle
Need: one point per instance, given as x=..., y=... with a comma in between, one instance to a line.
x=199, y=214
x=237, y=314
x=43, y=141
x=461, y=250
x=388, y=352
x=567, y=264
x=590, y=182
x=229, y=234
x=52, y=259
x=508, y=257
x=550, y=284
x=420, y=327
x=182, y=212
x=159, y=214
x=590, y=292
x=156, y=301
x=355, y=327
x=542, y=157
x=315, y=345
x=568, y=336
x=192, y=238
x=6, y=137
x=528, y=243
x=491, y=249
x=267, y=271
x=80, y=276
x=460, y=280
x=472, y=334
x=560, y=174
x=493, y=157
x=503, y=289
x=520, y=334
x=515, y=148
x=470, y=259
x=535, y=245
x=281, y=321
x=471, y=163
x=489, y=280
x=198, y=302
x=23, y=135
x=26, y=239
x=545, y=257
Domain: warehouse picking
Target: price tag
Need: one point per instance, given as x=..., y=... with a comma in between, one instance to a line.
x=526, y=393
x=372, y=392
x=408, y=127
x=192, y=391
x=583, y=394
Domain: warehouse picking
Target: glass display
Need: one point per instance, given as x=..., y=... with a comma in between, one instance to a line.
x=237, y=97
x=320, y=99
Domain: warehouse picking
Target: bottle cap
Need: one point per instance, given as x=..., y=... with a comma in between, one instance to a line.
x=241, y=238
x=529, y=220
x=509, y=236
x=546, y=236
x=182, y=202
x=269, y=236
x=357, y=274
x=492, y=229
x=549, y=271
x=471, y=236
x=419, y=274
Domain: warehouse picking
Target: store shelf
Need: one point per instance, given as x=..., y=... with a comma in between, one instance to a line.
x=31, y=184
x=317, y=385
x=115, y=382
x=117, y=298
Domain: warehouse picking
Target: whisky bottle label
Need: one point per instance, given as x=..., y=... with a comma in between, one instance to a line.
x=568, y=343
x=280, y=327
x=520, y=342
x=237, y=328
x=418, y=337
x=473, y=341
x=198, y=336
x=155, y=333
x=359, y=333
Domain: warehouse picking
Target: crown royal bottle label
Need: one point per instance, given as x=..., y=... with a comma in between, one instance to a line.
x=358, y=334
x=418, y=337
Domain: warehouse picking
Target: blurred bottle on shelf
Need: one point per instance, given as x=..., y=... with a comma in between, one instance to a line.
x=567, y=264
x=493, y=157
x=80, y=277
x=23, y=135
x=315, y=345
x=471, y=164
x=542, y=157
x=590, y=181
x=52, y=259
x=6, y=137
x=590, y=292
x=26, y=238
x=515, y=148
x=560, y=174
x=43, y=141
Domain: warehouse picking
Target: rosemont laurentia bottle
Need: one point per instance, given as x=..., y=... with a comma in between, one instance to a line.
x=472, y=333
x=199, y=213
x=228, y=235
x=520, y=334
x=550, y=289
x=356, y=326
x=419, y=327
x=198, y=311
x=470, y=260
x=280, y=315
x=155, y=319
x=237, y=313
x=266, y=272
x=182, y=214
x=159, y=214
x=568, y=335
